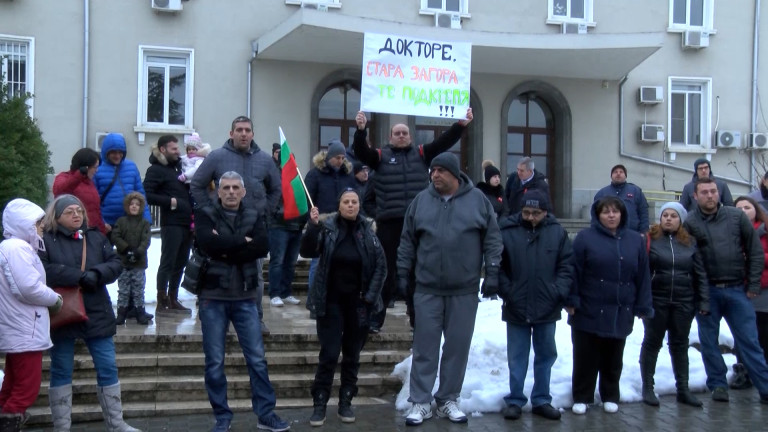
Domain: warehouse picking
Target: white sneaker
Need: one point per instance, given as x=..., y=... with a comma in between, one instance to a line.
x=276, y=301
x=418, y=413
x=291, y=300
x=610, y=407
x=579, y=408
x=450, y=409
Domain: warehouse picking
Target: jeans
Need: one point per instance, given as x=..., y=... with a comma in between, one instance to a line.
x=312, y=269
x=215, y=316
x=519, y=339
x=732, y=304
x=63, y=361
x=283, y=253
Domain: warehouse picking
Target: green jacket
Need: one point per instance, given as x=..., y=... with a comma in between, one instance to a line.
x=131, y=233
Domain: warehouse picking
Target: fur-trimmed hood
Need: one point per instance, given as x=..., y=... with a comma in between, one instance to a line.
x=320, y=163
x=134, y=196
x=158, y=157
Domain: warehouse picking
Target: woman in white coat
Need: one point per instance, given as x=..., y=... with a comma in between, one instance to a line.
x=24, y=303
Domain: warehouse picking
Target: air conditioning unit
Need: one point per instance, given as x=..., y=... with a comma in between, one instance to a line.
x=650, y=95
x=695, y=39
x=758, y=141
x=166, y=5
x=728, y=139
x=573, y=28
x=448, y=20
x=651, y=133
x=99, y=138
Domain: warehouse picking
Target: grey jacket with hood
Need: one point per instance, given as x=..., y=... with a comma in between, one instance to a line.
x=444, y=243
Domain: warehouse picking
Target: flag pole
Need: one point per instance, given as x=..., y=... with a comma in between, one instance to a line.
x=298, y=171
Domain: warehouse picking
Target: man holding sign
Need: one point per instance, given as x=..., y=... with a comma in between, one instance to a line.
x=402, y=171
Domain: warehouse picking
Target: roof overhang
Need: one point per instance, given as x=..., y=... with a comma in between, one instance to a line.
x=329, y=37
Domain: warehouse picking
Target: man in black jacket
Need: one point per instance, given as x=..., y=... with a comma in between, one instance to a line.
x=732, y=255
x=233, y=236
x=535, y=279
x=163, y=188
x=402, y=171
x=526, y=178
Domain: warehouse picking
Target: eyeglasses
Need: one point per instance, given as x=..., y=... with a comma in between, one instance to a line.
x=532, y=213
x=71, y=212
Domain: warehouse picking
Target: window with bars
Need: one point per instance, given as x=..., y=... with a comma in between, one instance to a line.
x=165, y=87
x=689, y=111
x=16, y=65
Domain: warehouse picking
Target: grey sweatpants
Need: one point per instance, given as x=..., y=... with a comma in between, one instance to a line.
x=454, y=317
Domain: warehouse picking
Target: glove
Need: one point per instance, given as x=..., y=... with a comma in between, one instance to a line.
x=182, y=178
x=131, y=256
x=402, y=287
x=83, y=170
x=491, y=282
x=53, y=310
x=89, y=280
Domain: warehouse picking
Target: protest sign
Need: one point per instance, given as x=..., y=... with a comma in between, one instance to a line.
x=421, y=77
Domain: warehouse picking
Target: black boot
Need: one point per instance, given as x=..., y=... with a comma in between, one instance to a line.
x=173, y=301
x=163, y=305
x=142, y=317
x=319, y=402
x=10, y=422
x=647, y=370
x=345, y=405
x=120, y=319
x=741, y=379
x=680, y=369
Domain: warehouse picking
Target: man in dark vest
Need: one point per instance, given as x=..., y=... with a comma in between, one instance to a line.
x=402, y=171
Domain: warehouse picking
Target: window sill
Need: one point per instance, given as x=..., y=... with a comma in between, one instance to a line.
x=691, y=28
x=329, y=4
x=141, y=131
x=690, y=149
x=437, y=11
x=559, y=21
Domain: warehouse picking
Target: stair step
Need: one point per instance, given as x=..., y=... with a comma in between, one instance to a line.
x=41, y=415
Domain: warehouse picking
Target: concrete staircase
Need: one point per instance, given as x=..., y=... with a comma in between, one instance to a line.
x=163, y=374
x=573, y=226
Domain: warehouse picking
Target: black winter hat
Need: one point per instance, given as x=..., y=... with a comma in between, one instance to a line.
x=275, y=147
x=537, y=199
x=700, y=161
x=358, y=166
x=489, y=172
x=448, y=161
x=619, y=166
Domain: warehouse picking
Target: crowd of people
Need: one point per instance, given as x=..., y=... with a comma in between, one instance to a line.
x=405, y=221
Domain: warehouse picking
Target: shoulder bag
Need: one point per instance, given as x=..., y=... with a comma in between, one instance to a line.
x=73, y=308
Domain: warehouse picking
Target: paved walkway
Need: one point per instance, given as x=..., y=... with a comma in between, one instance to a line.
x=743, y=413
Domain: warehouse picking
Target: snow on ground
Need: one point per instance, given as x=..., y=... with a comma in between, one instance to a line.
x=487, y=378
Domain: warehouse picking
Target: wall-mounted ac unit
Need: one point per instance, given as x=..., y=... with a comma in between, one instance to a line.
x=695, y=39
x=728, y=139
x=99, y=138
x=650, y=95
x=573, y=28
x=758, y=141
x=651, y=133
x=448, y=20
x=167, y=5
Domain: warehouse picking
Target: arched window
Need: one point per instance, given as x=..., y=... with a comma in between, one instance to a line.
x=530, y=132
x=336, y=114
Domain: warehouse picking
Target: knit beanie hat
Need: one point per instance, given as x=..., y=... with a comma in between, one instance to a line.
x=700, y=161
x=335, y=148
x=63, y=202
x=490, y=171
x=447, y=161
x=537, y=199
x=676, y=206
x=358, y=166
x=621, y=167
x=193, y=141
x=275, y=147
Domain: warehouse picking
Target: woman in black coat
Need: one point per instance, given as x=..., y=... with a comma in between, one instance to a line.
x=340, y=298
x=679, y=290
x=66, y=238
x=493, y=189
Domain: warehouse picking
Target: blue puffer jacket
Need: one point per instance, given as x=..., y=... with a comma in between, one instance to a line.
x=128, y=180
x=326, y=184
x=613, y=283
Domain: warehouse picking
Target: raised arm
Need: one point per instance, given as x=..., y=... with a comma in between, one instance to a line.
x=363, y=152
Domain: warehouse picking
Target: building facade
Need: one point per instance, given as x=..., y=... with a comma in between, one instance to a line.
x=580, y=85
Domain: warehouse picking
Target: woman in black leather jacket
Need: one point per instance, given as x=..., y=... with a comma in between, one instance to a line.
x=345, y=292
x=679, y=289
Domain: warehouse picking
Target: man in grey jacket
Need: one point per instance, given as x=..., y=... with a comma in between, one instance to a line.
x=262, y=178
x=449, y=231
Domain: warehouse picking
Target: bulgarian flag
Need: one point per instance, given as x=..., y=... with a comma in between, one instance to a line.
x=294, y=191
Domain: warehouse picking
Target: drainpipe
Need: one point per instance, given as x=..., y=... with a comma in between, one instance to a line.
x=86, y=37
x=623, y=153
x=753, y=126
x=254, y=53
